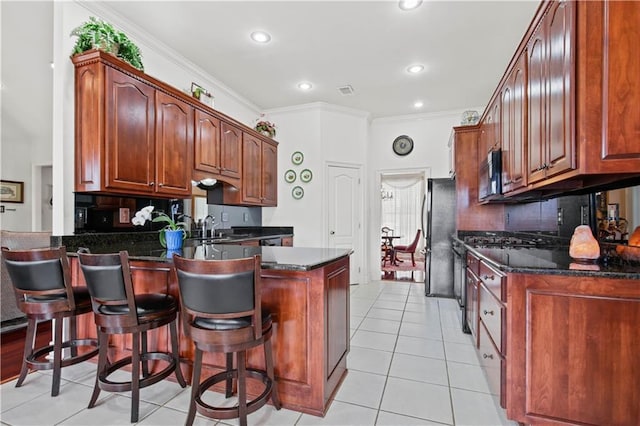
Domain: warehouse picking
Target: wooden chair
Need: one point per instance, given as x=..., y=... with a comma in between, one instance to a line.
x=221, y=309
x=118, y=310
x=411, y=248
x=42, y=282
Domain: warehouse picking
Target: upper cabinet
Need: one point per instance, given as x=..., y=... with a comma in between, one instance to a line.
x=259, y=173
x=551, y=84
x=136, y=135
x=566, y=110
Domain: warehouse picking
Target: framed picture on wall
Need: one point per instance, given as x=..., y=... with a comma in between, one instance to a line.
x=11, y=191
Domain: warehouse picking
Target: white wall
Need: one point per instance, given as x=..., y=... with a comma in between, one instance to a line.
x=323, y=133
x=430, y=134
x=159, y=61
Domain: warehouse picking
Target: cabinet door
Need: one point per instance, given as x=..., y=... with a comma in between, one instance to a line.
x=207, y=143
x=536, y=95
x=251, y=173
x=174, y=139
x=129, y=134
x=269, y=177
x=230, y=150
x=514, y=122
x=560, y=142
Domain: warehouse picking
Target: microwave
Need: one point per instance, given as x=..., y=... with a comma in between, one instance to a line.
x=490, y=177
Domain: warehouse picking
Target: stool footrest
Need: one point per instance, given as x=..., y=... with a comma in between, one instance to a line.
x=233, y=412
x=34, y=363
x=111, y=386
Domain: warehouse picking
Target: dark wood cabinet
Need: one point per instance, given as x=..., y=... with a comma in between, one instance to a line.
x=131, y=138
x=217, y=149
x=572, y=357
x=551, y=87
x=514, y=128
x=259, y=173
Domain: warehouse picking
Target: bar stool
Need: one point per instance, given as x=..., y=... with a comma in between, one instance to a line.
x=41, y=280
x=117, y=310
x=221, y=310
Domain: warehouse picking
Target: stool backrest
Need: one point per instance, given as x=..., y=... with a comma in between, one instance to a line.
x=108, y=278
x=40, y=276
x=221, y=288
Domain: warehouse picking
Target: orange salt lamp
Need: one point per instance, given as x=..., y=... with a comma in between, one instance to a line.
x=583, y=245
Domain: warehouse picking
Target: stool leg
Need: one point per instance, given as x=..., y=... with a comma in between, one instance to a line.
x=135, y=376
x=145, y=364
x=103, y=347
x=173, y=328
x=229, y=382
x=268, y=355
x=57, y=356
x=73, y=335
x=242, y=387
x=29, y=342
x=195, y=384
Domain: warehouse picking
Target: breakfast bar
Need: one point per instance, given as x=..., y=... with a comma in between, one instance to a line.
x=305, y=289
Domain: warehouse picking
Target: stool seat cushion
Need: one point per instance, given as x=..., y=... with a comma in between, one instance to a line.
x=80, y=296
x=150, y=303
x=229, y=324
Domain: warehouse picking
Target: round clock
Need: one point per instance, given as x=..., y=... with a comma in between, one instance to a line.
x=403, y=145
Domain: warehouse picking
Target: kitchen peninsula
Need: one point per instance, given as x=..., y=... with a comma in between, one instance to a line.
x=305, y=289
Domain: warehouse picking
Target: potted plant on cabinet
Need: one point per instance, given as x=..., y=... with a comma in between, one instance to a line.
x=98, y=34
x=172, y=235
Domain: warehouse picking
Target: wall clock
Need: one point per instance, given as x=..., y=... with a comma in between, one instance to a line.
x=403, y=145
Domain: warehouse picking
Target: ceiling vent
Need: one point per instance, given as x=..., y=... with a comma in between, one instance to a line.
x=346, y=90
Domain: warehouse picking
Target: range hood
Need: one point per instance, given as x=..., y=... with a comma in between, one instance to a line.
x=206, y=184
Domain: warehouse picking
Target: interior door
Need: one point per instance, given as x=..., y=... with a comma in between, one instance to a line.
x=344, y=206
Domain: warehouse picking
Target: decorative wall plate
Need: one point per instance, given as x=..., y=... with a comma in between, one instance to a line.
x=297, y=192
x=306, y=175
x=289, y=176
x=297, y=158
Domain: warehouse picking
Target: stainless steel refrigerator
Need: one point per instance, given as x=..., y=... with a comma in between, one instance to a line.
x=438, y=225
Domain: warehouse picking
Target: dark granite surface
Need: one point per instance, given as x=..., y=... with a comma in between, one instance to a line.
x=555, y=260
x=146, y=246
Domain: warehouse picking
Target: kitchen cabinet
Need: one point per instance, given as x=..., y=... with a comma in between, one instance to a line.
x=131, y=137
x=551, y=81
x=514, y=128
x=573, y=350
x=217, y=147
x=259, y=173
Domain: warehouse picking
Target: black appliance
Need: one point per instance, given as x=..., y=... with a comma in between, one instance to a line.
x=490, y=180
x=438, y=225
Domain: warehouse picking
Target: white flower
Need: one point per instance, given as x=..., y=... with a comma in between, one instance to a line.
x=142, y=216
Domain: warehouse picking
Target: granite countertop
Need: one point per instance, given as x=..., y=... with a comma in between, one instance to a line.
x=146, y=247
x=554, y=261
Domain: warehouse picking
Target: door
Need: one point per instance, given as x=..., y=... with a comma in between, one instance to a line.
x=344, y=207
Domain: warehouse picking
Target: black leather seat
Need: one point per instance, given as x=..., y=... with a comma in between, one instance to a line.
x=42, y=283
x=118, y=310
x=221, y=310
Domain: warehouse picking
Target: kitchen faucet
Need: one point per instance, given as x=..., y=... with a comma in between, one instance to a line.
x=204, y=225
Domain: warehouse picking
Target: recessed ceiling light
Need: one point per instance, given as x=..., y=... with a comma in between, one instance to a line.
x=409, y=4
x=418, y=104
x=260, y=37
x=414, y=69
x=305, y=85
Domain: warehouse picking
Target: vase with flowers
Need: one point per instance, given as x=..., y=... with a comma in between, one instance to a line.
x=173, y=233
x=265, y=127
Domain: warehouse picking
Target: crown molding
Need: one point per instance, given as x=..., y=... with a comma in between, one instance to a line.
x=319, y=106
x=423, y=116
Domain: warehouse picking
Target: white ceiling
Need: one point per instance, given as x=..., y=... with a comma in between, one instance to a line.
x=465, y=46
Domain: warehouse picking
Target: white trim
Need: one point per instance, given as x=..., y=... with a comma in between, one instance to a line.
x=424, y=116
x=322, y=106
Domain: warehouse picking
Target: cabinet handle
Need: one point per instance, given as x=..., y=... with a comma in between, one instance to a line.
x=151, y=183
x=508, y=182
x=542, y=167
x=485, y=356
x=487, y=312
x=488, y=277
x=160, y=184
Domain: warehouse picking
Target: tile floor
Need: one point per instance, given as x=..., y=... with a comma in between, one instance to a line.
x=409, y=365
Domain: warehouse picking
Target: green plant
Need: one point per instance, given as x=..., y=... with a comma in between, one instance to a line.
x=146, y=213
x=98, y=34
x=266, y=126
